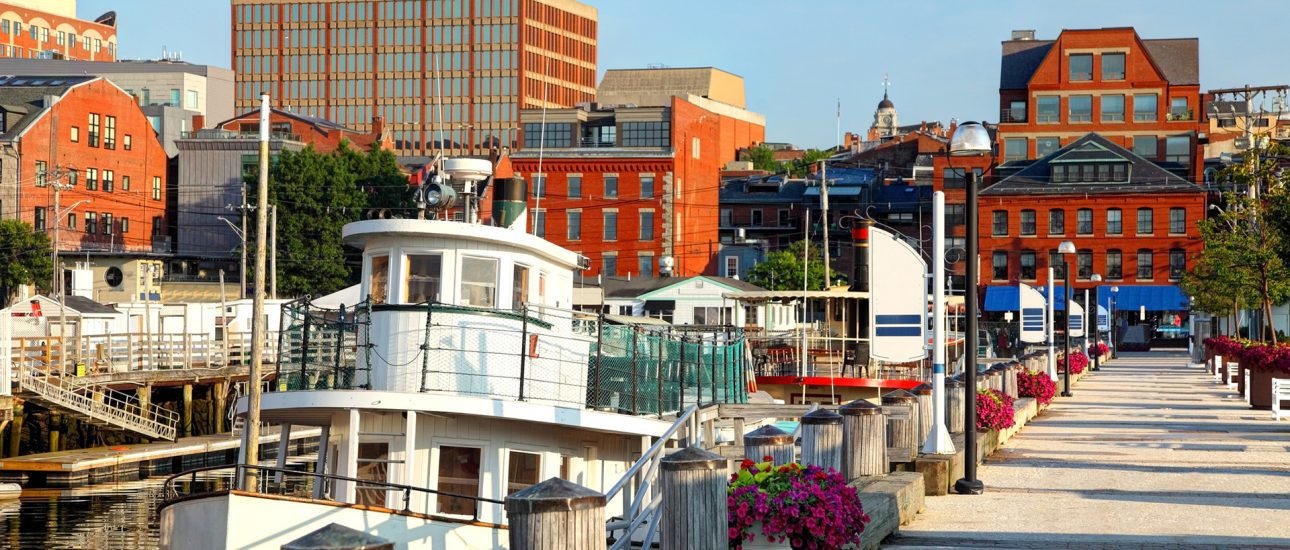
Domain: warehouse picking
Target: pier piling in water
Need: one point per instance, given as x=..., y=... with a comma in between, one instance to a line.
x=557, y=515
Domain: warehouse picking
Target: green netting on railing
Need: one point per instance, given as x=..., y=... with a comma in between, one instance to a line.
x=639, y=371
x=319, y=346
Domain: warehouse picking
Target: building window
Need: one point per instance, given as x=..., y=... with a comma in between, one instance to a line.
x=999, y=225
x=1145, y=221
x=575, y=187
x=1049, y=108
x=1114, y=221
x=1144, y=107
x=727, y=218
x=1016, y=111
x=191, y=103
x=732, y=267
x=611, y=187
x=1177, y=221
x=645, y=265
x=539, y=186
x=109, y=132
x=647, y=186
x=108, y=183
x=40, y=218
x=611, y=225
x=1081, y=67
x=1146, y=269
x=1147, y=147
x=76, y=134
x=1177, y=264
x=125, y=225
x=1084, y=221
x=479, y=282
x=91, y=222
x=557, y=136
x=539, y=222
x=174, y=97
x=1028, y=265
x=956, y=178
x=1178, y=109
x=42, y=173
x=1114, y=265
x=458, y=474
x=94, y=130
x=1058, y=263
x=609, y=266
x=156, y=188
x=1084, y=264
x=91, y=179
x=156, y=227
x=755, y=218
x=1112, y=66
x=999, y=263
x=1081, y=108
x=1113, y=108
x=955, y=214
x=1045, y=146
x=647, y=225
x=107, y=223
x=1014, y=149
x=126, y=142
x=125, y=183
x=1056, y=221
x=647, y=134
x=1028, y=222
x=574, y=223
x=782, y=218
x=1178, y=149
x=71, y=221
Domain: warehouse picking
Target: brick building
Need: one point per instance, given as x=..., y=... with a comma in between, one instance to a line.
x=325, y=135
x=1141, y=94
x=627, y=186
x=90, y=135
x=350, y=62
x=49, y=29
x=1131, y=221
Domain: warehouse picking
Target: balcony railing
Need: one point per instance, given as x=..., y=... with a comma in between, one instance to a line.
x=230, y=134
x=1012, y=115
x=1179, y=115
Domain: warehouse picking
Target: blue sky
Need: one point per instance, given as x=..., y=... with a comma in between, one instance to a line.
x=799, y=57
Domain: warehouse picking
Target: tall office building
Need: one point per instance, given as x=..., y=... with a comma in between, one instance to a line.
x=455, y=72
x=49, y=29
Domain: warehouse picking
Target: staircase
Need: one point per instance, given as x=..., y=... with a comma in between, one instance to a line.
x=98, y=405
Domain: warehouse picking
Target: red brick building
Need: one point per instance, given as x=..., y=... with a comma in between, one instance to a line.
x=630, y=185
x=1141, y=94
x=324, y=135
x=54, y=32
x=1131, y=221
x=90, y=137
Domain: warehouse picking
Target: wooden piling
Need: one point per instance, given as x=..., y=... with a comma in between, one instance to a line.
x=188, y=410
x=15, y=430
x=557, y=515
x=822, y=439
x=221, y=395
x=864, y=440
x=55, y=430
x=694, y=501
x=923, y=393
x=902, y=432
x=770, y=441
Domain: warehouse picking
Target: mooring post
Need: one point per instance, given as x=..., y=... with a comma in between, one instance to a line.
x=954, y=393
x=864, y=440
x=822, y=439
x=923, y=393
x=694, y=500
x=770, y=441
x=557, y=515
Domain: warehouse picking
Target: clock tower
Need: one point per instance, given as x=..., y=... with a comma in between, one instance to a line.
x=884, y=118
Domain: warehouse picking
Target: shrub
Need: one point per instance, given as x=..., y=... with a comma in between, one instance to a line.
x=994, y=410
x=1098, y=349
x=809, y=507
x=1078, y=362
x=1037, y=385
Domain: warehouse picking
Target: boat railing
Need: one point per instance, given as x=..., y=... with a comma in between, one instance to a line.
x=637, y=526
x=295, y=483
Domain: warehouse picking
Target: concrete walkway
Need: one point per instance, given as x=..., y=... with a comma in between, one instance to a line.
x=1149, y=453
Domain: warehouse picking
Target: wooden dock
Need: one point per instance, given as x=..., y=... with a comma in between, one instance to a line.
x=125, y=462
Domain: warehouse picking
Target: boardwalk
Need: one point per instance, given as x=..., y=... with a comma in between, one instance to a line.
x=1149, y=453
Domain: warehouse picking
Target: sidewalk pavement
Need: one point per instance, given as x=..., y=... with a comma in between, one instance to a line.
x=1149, y=453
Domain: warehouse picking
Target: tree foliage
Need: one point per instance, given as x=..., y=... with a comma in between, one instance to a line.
x=782, y=269
x=24, y=259
x=763, y=158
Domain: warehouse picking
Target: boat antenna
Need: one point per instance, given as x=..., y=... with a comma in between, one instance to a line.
x=439, y=107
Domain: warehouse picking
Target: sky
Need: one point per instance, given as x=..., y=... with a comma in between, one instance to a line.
x=798, y=58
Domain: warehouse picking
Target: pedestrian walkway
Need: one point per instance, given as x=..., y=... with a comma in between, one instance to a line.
x=1149, y=453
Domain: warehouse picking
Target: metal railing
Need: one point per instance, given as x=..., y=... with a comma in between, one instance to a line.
x=639, y=520
x=1012, y=115
x=102, y=404
x=287, y=482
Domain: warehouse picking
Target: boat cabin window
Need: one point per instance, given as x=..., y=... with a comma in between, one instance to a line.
x=520, y=287
x=479, y=282
x=379, y=289
x=425, y=272
x=458, y=474
x=373, y=465
x=542, y=288
x=522, y=471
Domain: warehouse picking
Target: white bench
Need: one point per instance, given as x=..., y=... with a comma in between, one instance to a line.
x=1280, y=390
x=1233, y=371
x=1218, y=368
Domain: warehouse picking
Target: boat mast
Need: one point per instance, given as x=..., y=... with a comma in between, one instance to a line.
x=252, y=426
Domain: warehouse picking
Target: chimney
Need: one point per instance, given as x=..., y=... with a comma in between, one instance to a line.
x=199, y=122
x=378, y=126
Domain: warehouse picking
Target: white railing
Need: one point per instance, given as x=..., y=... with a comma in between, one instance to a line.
x=103, y=404
x=638, y=525
x=118, y=353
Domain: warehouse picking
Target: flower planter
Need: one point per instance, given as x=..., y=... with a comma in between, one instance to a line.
x=1261, y=388
x=1241, y=381
x=760, y=542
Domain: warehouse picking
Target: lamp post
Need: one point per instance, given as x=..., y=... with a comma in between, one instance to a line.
x=970, y=139
x=1096, y=278
x=1066, y=249
x=1115, y=351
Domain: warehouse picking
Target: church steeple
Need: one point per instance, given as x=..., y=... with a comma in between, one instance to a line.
x=885, y=121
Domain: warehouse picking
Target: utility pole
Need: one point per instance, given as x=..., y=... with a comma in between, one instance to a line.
x=257, y=305
x=58, y=272
x=273, y=252
x=824, y=223
x=241, y=288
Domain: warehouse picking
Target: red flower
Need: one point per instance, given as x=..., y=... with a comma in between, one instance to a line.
x=746, y=464
x=767, y=458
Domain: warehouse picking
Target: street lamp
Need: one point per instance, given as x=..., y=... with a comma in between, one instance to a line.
x=1115, y=351
x=1096, y=278
x=970, y=139
x=1066, y=249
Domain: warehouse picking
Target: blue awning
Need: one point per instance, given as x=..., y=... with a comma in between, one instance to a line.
x=1006, y=298
x=1154, y=297
x=836, y=191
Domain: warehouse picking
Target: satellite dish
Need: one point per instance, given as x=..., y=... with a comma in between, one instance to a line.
x=467, y=169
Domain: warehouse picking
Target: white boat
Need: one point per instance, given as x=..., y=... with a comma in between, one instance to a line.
x=464, y=377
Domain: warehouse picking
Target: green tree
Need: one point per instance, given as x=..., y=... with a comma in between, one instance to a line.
x=24, y=259
x=1243, y=248
x=782, y=269
x=799, y=167
x=763, y=158
x=378, y=174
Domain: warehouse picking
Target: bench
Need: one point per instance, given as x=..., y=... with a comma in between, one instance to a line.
x=1233, y=374
x=1280, y=390
x=1218, y=368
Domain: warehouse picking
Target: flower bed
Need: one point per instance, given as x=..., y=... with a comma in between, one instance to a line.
x=994, y=410
x=1099, y=349
x=805, y=507
x=1079, y=362
x=1036, y=384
